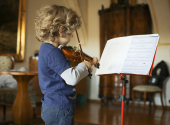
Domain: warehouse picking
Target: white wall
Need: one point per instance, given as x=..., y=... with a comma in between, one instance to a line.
x=161, y=18
x=163, y=53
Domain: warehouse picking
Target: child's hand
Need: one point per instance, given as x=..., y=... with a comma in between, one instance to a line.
x=88, y=65
x=95, y=61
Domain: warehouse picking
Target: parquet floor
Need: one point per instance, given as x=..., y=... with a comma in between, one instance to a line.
x=95, y=113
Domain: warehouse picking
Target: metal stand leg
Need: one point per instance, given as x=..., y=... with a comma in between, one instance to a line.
x=123, y=98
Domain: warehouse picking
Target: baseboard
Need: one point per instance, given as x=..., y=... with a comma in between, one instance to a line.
x=130, y=104
x=94, y=101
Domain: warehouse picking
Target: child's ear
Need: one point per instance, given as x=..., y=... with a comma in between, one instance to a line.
x=60, y=32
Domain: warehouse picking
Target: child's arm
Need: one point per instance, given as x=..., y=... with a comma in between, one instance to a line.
x=56, y=60
x=74, y=74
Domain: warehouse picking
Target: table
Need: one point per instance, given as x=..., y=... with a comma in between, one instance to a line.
x=22, y=111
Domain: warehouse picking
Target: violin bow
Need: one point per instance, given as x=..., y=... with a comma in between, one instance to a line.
x=81, y=49
x=82, y=53
x=80, y=46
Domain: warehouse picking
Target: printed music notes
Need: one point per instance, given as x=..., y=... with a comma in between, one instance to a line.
x=130, y=55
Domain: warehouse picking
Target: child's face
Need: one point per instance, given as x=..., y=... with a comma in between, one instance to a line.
x=64, y=41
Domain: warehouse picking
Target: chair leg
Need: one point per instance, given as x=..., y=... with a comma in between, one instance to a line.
x=133, y=97
x=150, y=100
x=4, y=112
x=162, y=100
x=153, y=100
x=34, y=116
x=144, y=98
x=127, y=102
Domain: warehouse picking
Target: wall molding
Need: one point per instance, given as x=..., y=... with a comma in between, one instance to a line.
x=155, y=21
x=82, y=31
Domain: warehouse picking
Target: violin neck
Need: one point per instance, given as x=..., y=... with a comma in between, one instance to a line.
x=87, y=56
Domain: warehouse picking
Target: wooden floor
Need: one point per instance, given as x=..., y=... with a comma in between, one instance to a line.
x=95, y=113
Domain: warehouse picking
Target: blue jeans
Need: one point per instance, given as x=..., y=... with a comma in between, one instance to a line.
x=57, y=116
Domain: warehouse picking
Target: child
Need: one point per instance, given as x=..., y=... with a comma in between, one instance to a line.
x=54, y=26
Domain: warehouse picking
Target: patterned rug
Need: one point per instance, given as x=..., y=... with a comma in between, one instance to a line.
x=39, y=121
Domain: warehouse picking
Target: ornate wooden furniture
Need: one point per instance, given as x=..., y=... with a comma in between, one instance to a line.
x=135, y=81
x=117, y=21
x=8, y=92
x=22, y=111
x=145, y=89
x=159, y=74
x=7, y=63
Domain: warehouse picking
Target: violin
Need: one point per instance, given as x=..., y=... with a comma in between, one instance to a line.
x=73, y=54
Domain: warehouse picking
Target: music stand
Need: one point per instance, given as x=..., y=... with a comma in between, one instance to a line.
x=124, y=83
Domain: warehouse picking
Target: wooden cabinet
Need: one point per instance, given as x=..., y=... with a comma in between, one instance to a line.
x=117, y=21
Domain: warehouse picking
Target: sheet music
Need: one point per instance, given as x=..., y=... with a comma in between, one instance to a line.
x=113, y=54
x=131, y=54
x=140, y=55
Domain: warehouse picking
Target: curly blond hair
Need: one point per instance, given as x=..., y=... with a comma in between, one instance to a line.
x=51, y=18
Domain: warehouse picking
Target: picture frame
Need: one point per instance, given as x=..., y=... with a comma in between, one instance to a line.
x=12, y=28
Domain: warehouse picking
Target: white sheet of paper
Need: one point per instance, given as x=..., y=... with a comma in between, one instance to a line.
x=131, y=55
